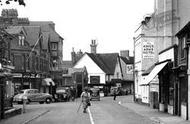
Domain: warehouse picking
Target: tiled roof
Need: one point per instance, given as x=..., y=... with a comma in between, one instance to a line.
x=128, y=60
x=45, y=36
x=47, y=26
x=14, y=29
x=33, y=33
x=106, y=61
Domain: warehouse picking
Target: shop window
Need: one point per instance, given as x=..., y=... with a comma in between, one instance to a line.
x=184, y=85
x=171, y=90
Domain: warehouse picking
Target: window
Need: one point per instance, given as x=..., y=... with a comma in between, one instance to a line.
x=183, y=40
x=54, y=46
x=21, y=40
x=117, y=74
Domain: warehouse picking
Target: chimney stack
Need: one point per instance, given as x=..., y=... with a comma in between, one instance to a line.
x=124, y=53
x=93, y=46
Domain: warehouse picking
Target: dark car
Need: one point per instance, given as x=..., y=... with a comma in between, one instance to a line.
x=95, y=94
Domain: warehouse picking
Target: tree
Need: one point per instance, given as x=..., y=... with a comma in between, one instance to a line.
x=20, y=2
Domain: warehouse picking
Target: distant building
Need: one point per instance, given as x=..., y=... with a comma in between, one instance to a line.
x=123, y=75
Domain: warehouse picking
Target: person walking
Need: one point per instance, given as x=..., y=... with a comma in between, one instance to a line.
x=114, y=93
x=85, y=96
x=72, y=94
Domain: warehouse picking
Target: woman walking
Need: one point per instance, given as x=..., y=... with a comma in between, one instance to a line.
x=85, y=96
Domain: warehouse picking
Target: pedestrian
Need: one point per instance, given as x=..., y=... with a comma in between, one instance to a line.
x=72, y=93
x=114, y=93
x=85, y=96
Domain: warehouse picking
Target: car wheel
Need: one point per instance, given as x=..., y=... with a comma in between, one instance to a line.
x=48, y=100
x=41, y=102
x=28, y=101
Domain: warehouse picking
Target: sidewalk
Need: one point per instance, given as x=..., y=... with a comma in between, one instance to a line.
x=25, y=118
x=153, y=114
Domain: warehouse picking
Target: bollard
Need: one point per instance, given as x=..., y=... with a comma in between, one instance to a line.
x=24, y=99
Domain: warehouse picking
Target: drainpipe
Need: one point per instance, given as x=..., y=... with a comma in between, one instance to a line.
x=134, y=72
x=188, y=83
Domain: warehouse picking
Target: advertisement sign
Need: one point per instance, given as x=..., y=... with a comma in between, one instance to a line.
x=129, y=69
x=148, y=49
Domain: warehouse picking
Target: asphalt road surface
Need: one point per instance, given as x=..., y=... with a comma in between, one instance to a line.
x=105, y=111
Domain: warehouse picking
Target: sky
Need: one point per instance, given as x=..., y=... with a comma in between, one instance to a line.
x=111, y=22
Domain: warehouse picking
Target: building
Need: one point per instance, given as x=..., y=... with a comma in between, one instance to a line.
x=6, y=68
x=182, y=72
x=123, y=75
x=55, y=44
x=36, y=50
x=157, y=77
x=100, y=67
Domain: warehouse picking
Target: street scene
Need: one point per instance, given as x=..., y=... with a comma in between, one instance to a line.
x=101, y=112
x=94, y=62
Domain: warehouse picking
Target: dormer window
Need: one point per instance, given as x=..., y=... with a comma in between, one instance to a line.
x=21, y=41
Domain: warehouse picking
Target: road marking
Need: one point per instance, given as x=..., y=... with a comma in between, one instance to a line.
x=90, y=114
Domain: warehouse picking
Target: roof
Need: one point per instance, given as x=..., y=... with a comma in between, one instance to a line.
x=106, y=61
x=45, y=36
x=15, y=29
x=184, y=29
x=33, y=33
x=128, y=60
x=47, y=26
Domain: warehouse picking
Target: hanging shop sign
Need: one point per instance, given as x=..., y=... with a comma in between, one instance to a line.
x=148, y=49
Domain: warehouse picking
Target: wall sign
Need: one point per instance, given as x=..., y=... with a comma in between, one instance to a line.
x=94, y=79
x=148, y=49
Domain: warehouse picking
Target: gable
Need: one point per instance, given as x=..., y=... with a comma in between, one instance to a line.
x=118, y=70
x=90, y=65
x=106, y=61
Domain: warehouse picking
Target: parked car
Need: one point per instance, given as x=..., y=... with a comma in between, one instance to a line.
x=95, y=94
x=32, y=95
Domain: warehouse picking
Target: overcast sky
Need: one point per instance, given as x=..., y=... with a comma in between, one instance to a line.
x=111, y=22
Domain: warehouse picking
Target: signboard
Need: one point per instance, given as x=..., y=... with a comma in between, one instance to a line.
x=94, y=79
x=129, y=69
x=148, y=49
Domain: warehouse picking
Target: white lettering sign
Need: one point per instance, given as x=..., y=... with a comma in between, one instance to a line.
x=148, y=49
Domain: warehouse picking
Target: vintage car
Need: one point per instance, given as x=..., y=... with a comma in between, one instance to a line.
x=32, y=95
x=95, y=94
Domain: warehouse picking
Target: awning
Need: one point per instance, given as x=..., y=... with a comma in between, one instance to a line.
x=48, y=82
x=153, y=73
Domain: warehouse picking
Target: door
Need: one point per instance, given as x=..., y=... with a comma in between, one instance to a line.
x=1, y=102
x=176, y=99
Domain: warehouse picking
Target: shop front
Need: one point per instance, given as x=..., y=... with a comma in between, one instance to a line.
x=47, y=86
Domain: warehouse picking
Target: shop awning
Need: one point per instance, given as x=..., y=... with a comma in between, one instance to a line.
x=48, y=82
x=153, y=73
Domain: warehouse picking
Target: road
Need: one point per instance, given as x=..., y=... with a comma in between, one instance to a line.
x=105, y=111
